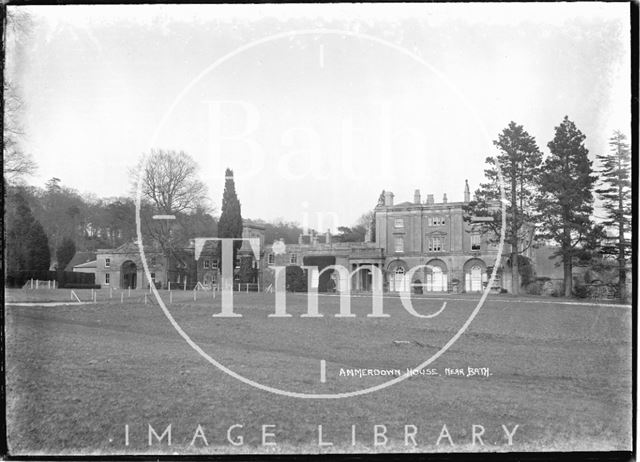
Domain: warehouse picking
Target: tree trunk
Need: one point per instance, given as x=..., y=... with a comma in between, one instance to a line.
x=515, y=274
x=568, y=276
x=622, y=281
x=622, y=273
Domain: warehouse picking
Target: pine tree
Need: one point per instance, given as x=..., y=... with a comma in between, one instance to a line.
x=65, y=252
x=615, y=192
x=519, y=159
x=566, y=202
x=230, y=223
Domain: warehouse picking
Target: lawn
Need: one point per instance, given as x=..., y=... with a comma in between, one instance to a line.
x=79, y=375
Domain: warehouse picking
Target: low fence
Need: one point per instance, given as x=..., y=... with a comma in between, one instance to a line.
x=237, y=286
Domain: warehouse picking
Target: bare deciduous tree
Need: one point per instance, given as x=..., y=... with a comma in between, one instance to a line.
x=17, y=163
x=169, y=186
x=170, y=182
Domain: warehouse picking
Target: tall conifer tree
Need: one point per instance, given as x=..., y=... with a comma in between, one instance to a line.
x=615, y=192
x=519, y=160
x=566, y=202
x=230, y=223
x=27, y=246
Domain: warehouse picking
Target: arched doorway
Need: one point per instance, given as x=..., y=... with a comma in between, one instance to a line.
x=436, y=279
x=397, y=280
x=475, y=275
x=128, y=275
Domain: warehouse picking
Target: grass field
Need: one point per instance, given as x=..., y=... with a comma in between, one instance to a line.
x=77, y=374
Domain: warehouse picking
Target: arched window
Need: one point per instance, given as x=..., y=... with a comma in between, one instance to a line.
x=398, y=279
x=476, y=278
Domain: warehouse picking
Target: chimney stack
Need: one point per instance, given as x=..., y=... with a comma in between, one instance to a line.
x=444, y=198
x=416, y=196
x=388, y=198
x=467, y=194
x=429, y=199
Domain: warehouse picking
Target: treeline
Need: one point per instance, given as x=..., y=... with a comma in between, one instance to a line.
x=551, y=199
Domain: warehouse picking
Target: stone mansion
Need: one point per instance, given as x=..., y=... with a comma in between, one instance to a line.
x=407, y=234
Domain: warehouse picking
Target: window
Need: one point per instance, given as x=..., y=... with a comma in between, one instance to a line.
x=206, y=264
x=435, y=244
x=270, y=259
x=475, y=241
x=293, y=259
x=107, y=262
x=214, y=264
x=107, y=278
x=399, y=223
x=153, y=277
x=399, y=244
x=399, y=280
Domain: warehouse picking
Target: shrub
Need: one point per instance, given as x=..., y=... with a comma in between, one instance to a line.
x=296, y=279
x=581, y=291
x=322, y=261
x=534, y=288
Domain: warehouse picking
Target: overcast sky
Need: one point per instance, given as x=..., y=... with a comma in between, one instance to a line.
x=408, y=97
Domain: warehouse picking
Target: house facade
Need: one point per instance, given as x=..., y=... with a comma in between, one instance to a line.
x=419, y=246
x=452, y=255
x=122, y=268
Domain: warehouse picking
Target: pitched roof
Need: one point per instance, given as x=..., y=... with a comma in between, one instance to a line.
x=79, y=258
x=89, y=264
x=252, y=224
x=130, y=247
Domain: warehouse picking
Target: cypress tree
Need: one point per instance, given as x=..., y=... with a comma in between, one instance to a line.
x=65, y=252
x=39, y=255
x=230, y=223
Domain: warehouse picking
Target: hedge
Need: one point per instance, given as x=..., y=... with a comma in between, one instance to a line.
x=63, y=278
